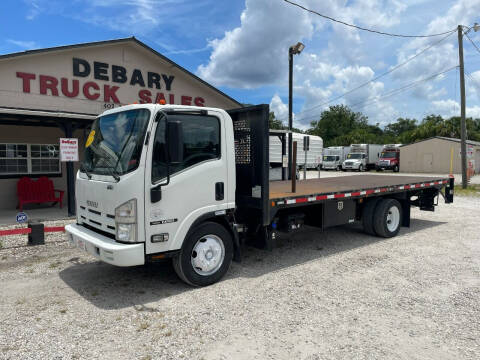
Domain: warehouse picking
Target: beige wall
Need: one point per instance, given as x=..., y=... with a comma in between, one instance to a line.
x=34, y=135
x=431, y=156
x=129, y=55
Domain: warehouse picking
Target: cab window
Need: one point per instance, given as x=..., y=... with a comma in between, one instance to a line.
x=201, y=142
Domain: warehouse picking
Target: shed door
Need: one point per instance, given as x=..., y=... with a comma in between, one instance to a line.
x=427, y=162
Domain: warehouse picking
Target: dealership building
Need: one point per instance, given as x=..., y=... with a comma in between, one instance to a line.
x=55, y=93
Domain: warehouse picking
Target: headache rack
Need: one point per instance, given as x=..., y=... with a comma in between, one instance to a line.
x=251, y=134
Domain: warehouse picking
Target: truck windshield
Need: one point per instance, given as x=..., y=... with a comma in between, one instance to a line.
x=329, y=158
x=354, y=156
x=115, y=142
x=388, y=154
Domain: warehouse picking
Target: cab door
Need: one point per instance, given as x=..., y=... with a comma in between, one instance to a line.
x=194, y=186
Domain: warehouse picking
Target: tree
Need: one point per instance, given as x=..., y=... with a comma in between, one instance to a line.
x=274, y=123
x=337, y=123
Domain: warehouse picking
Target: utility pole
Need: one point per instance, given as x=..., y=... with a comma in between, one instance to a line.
x=463, y=145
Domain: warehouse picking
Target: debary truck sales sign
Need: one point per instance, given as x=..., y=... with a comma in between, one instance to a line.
x=153, y=87
x=88, y=79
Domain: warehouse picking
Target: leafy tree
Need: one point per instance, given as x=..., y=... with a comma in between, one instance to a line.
x=337, y=121
x=274, y=123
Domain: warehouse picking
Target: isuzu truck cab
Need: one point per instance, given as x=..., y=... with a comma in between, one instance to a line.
x=192, y=184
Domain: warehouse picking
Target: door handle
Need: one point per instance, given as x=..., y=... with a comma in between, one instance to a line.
x=219, y=191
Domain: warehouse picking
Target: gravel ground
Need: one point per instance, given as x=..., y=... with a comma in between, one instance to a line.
x=337, y=295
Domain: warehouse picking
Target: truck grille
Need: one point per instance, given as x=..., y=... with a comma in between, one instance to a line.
x=98, y=220
x=348, y=163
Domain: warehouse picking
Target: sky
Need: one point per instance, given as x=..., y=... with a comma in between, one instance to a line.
x=241, y=47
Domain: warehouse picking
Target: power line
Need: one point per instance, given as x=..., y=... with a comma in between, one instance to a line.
x=374, y=79
x=388, y=94
x=475, y=45
x=403, y=88
x=365, y=29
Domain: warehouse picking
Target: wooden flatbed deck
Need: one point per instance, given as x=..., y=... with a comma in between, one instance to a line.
x=283, y=189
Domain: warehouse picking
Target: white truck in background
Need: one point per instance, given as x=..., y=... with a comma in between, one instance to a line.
x=362, y=157
x=314, y=154
x=333, y=157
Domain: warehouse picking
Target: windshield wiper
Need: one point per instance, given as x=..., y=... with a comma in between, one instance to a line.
x=114, y=174
x=84, y=169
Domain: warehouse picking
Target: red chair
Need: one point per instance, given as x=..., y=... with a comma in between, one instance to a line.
x=39, y=191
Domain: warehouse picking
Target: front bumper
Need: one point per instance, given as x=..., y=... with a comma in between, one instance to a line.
x=351, y=167
x=104, y=248
x=385, y=167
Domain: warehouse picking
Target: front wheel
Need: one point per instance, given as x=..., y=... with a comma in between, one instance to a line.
x=360, y=168
x=388, y=218
x=395, y=169
x=205, y=256
x=339, y=168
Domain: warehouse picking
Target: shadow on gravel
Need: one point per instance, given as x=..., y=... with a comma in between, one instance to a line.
x=110, y=287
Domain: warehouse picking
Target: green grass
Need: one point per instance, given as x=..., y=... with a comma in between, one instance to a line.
x=471, y=190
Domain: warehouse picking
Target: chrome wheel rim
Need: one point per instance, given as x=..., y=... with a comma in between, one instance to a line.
x=207, y=255
x=393, y=218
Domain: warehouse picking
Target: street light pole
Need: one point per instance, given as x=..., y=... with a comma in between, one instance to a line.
x=293, y=50
x=463, y=145
x=290, y=110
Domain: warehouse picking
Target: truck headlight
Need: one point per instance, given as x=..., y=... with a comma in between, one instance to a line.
x=126, y=232
x=126, y=221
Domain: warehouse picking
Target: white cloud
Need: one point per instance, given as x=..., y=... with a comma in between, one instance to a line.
x=34, y=9
x=279, y=108
x=448, y=108
x=24, y=45
x=255, y=53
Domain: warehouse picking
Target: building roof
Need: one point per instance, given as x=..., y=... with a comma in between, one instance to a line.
x=469, y=142
x=132, y=39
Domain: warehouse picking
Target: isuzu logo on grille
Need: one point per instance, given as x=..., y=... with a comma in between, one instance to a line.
x=92, y=203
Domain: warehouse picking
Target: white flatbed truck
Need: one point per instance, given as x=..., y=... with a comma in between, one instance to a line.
x=191, y=184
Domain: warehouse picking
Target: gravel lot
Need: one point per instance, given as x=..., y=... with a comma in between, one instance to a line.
x=337, y=295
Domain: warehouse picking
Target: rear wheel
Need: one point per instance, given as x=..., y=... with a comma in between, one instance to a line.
x=367, y=216
x=388, y=218
x=205, y=256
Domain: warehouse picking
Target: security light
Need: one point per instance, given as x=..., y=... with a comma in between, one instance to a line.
x=297, y=49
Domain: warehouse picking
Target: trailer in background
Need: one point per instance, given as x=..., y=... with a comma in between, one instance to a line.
x=314, y=154
x=333, y=157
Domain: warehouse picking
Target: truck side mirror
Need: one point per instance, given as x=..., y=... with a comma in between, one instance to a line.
x=175, y=141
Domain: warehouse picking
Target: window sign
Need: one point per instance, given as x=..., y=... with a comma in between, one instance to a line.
x=68, y=149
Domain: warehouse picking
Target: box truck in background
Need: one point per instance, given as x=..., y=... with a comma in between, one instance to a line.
x=389, y=158
x=333, y=157
x=362, y=157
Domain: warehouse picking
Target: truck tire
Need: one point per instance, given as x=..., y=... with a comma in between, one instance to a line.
x=360, y=168
x=339, y=168
x=395, y=168
x=205, y=256
x=367, y=216
x=388, y=218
